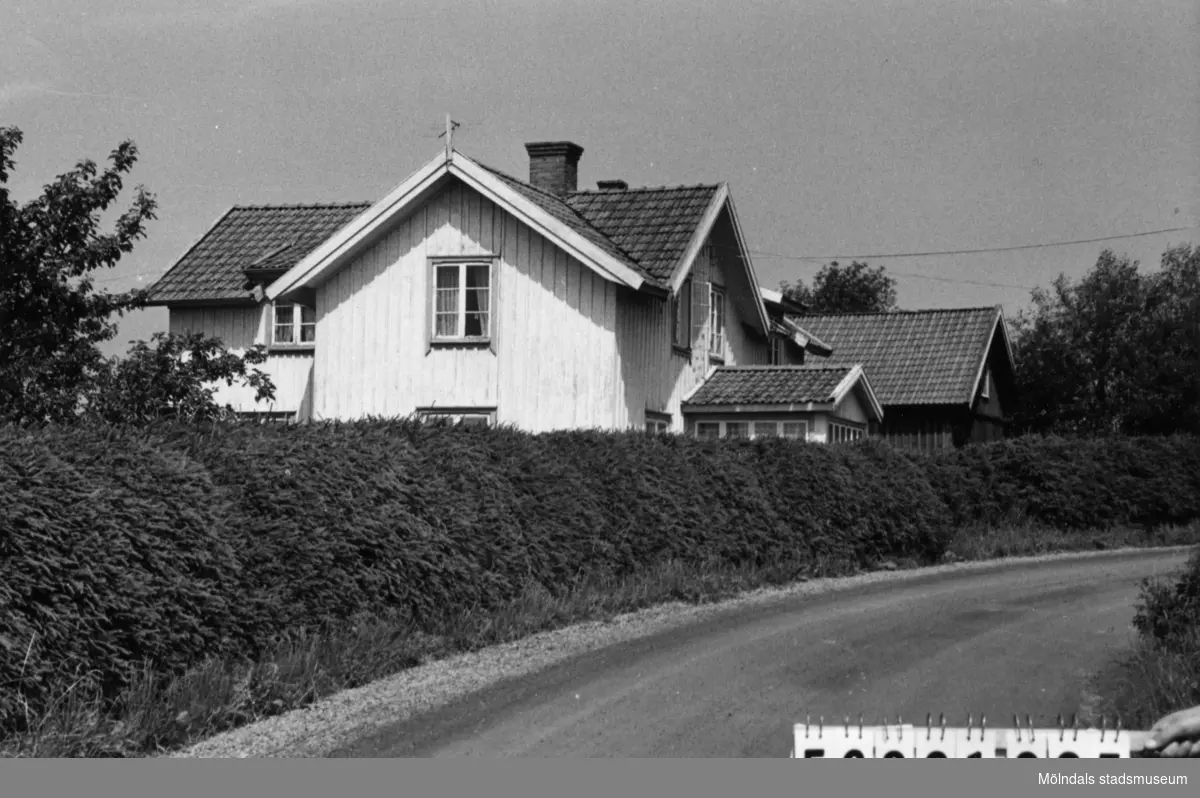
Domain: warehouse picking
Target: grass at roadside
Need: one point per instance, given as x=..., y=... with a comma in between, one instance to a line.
x=1149, y=681
x=155, y=715
x=1159, y=673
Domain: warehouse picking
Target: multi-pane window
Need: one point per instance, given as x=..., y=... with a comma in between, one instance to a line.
x=737, y=429
x=716, y=321
x=766, y=429
x=467, y=418
x=462, y=301
x=681, y=310
x=656, y=426
x=842, y=433
x=294, y=324
x=777, y=350
x=797, y=430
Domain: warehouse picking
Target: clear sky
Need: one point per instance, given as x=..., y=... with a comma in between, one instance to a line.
x=842, y=127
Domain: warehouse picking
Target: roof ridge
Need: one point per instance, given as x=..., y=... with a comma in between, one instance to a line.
x=790, y=367
x=305, y=205
x=898, y=312
x=633, y=189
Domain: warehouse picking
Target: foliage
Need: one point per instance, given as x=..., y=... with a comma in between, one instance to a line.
x=177, y=378
x=1118, y=351
x=178, y=543
x=53, y=318
x=1169, y=614
x=857, y=288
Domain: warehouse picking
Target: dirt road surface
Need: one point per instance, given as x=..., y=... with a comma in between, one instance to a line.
x=1017, y=638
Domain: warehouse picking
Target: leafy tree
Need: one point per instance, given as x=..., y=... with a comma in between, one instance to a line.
x=176, y=378
x=52, y=318
x=857, y=288
x=1118, y=351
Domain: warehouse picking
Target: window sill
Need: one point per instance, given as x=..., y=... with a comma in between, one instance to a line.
x=682, y=351
x=291, y=348
x=714, y=358
x=462, y=343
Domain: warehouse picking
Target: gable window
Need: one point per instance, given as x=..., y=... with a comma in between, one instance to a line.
x=462, y=301
x=778, y=345
x=983, y=391
x=716, y=321
x=293, y=325
x=681, y=312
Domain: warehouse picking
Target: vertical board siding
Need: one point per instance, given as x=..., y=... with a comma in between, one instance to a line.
x=554, y=323
x=653, y=375
x=239, y=329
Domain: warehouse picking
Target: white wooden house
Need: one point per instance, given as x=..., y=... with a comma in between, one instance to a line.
x=471, y=293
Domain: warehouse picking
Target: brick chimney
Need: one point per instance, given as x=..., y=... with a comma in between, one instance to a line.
x=554, y=165
x=612, y=185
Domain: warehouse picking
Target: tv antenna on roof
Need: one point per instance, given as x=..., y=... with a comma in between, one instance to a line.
x=449, y=134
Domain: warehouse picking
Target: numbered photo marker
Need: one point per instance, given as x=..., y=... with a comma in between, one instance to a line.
x=843, y=741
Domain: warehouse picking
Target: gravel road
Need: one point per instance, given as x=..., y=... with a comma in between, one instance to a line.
x=729, y=680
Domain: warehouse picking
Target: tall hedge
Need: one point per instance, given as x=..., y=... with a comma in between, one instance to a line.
x=172, y=544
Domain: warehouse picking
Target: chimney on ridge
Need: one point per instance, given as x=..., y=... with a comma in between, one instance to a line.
x=554, y=165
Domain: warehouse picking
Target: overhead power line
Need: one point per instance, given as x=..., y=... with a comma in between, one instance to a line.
x=879, y=255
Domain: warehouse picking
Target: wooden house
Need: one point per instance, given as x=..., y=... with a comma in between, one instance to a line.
x=943, y=377
x=469, y=293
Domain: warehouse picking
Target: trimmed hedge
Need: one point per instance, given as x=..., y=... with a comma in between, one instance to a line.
x=172, y=544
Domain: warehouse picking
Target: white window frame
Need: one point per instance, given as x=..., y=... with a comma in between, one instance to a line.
x=296, y=325
x=681, y=317
x=717, y=313
x=752, y=432
x=778, y=349
x=485, y=416
x=461, y=265
x=844, y=433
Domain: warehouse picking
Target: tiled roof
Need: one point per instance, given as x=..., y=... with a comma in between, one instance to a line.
x=646, y=229
x=770, y=385
x=912, y=356
x=212, y=269
x=654, y=225
x=564, y=213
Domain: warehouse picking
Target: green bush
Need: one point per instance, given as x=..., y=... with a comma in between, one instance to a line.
x=173, y=544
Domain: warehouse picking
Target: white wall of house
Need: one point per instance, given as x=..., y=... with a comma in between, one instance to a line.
x=654, y=375
x=553, y=363
x=240, y=328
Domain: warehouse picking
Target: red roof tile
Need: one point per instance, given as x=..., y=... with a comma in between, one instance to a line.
x=912, y=356
x=770, y=385
x=277, y=235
